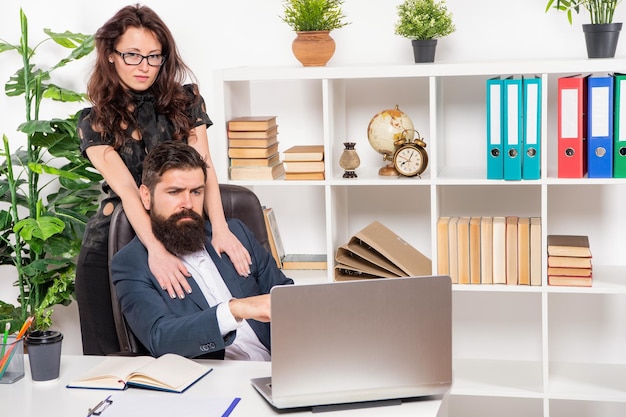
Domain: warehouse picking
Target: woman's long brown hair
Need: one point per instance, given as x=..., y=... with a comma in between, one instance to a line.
x=112, y=103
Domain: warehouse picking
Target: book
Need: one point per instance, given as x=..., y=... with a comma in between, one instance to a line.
x=304, y=261
x=273, y=236
x=499, y=250
x=474, y=250
x=523, y=251
x=568, y=262
x=454, y=249
x=252, y=143
x=304, y=175
x=569, y=245
x=535, y=251
x=304, y=153
x=257, y=173
x=511, y=250
x=170, y=372
x=462, y=230
x=443, y=254
x=569, y=281
x=486, y=250
x=253, y=152
x=304, y=166
x=569, y=272
x=255, y=162
x=254, y=123
x=253, y=134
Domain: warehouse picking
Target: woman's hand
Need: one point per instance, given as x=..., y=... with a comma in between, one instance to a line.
x=170, y=272
x=224, y=241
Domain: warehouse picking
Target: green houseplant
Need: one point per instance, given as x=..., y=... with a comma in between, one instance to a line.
x=423, y=22
x=313, y=20
x=601, y=34
x=40, y=234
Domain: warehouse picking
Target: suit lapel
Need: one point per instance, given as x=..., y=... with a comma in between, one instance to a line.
x=226, y=270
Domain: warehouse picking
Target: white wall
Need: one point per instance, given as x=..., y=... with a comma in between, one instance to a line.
x=217, y=34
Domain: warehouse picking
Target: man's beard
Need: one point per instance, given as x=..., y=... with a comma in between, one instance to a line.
x=179, y=238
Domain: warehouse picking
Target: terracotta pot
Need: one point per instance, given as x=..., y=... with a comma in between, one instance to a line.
x=313, y=48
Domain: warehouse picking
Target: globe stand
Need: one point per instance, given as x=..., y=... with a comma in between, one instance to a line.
x=388, y=171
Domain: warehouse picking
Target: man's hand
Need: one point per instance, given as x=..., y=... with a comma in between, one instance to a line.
x=256, y=308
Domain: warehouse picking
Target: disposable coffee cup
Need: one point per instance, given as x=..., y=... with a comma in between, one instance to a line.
x=44, y=354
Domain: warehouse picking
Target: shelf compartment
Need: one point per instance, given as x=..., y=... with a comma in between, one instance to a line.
x=468, y=406
x=497, y=378
x=587, y=329
x=498, y=326
x=587, y=381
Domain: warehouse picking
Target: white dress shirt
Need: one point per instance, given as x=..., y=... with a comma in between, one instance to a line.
x=246, y=345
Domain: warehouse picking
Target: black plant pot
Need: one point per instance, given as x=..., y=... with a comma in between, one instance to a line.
x=424, y=50
x=601, y=39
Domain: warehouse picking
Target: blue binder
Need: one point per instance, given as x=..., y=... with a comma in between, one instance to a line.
x=600, y=126
x=531, y=143
x=513, y=128
x=495, y=155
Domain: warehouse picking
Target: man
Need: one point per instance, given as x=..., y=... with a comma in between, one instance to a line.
x=225, y=315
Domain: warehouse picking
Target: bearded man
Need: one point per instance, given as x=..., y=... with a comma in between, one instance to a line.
x=225, y=315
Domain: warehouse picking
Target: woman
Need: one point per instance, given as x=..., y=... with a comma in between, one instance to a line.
x=138, y=101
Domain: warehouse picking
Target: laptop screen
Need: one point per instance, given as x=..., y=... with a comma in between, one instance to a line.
x=361, y=340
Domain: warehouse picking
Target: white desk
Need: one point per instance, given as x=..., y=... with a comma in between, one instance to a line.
x=229, y=379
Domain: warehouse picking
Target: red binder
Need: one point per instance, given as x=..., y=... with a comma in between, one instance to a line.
x=572, y=129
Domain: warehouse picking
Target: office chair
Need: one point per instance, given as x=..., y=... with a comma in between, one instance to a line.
x=238, y=202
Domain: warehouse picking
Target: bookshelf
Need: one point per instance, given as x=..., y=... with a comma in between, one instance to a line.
x=518, y=350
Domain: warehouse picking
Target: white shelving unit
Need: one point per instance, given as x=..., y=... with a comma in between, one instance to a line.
x=527, y=351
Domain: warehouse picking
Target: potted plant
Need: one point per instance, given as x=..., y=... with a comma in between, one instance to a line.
x=313, y=20
x=40, y=234
x=601, y=35
x=423, y=22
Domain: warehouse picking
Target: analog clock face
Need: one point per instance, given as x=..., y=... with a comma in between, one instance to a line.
x=409, y=161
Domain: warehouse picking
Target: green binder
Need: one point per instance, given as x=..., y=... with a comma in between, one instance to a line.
x=619, y=134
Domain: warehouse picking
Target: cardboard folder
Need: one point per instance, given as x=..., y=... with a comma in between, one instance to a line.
x=348, y=259
x=383, y=252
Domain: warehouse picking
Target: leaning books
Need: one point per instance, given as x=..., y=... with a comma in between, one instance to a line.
x=170, y=372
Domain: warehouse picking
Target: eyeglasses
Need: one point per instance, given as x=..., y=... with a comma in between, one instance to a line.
x=132, y=58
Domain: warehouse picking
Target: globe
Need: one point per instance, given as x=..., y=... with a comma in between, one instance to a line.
x=384, y=129
x=388, y=126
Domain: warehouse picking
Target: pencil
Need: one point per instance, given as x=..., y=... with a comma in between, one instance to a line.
x=7, y=326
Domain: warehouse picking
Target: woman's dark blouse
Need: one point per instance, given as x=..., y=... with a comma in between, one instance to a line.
x=155, y=129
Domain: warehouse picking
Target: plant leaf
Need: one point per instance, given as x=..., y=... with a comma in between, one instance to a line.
x=42, y=228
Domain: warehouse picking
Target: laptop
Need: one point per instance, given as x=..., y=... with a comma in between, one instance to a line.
x=352, y=342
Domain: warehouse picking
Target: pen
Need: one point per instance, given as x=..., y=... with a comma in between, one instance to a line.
x=100, y=407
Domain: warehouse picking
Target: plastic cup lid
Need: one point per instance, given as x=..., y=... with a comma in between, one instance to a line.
x=42, y=337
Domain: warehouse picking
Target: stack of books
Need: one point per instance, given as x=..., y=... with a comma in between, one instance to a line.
x=253, y=148
x=569, y=260
x=304, y=162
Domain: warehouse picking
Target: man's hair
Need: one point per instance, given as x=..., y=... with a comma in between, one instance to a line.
x=170, y=155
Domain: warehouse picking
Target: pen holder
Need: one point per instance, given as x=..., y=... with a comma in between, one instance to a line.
x=11, y=360
x=44, y=354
